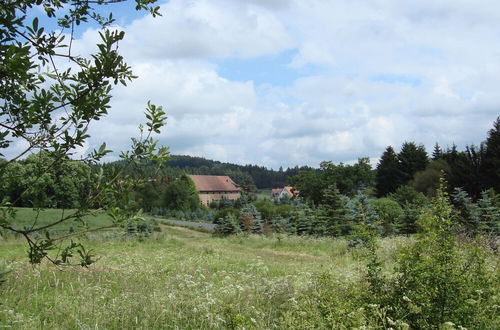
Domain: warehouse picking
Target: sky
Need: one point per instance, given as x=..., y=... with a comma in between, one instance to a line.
x=296, y=82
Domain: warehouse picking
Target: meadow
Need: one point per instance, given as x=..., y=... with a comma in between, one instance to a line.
x=27, y=217
x=180, y=278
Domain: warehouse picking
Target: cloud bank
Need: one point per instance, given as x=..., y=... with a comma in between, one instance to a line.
x=364, y=74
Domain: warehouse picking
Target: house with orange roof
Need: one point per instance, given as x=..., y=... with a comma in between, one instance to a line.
x=215, y=188
x=287, y=191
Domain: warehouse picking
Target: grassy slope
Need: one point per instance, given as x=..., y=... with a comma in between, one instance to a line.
x=28, y=217
x=177, y=279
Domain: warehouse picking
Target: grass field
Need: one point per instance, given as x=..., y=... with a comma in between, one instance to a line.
x=178, y=278
x=184, y=279
x=263, y=194
x=27, y=217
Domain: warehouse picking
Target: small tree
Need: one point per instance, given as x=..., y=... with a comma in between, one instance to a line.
x=227, y=226
x=332, y=212
x=389, y=213
x=50, y=107
x=439, y=281
x=250, y=217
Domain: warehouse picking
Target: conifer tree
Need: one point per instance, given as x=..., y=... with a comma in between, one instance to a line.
x=437, y=153
x=412, y=158
x=333, y=212
x=252, y=218
x=227, y=226
x=491, y=163
x=389, y=176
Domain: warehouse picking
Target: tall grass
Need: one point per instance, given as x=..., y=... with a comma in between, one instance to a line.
x=180, y=278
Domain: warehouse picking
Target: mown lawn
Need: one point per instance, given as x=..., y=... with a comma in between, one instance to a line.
x=178, y=278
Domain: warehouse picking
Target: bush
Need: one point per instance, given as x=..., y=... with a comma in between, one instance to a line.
x=221, y=214
x=440, y=280
x=227, y=226
x=389, y=213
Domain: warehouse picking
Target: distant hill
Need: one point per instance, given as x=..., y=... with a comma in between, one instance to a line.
x=259, y=176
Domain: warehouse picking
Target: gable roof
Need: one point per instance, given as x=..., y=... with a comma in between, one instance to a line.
x=214, y=183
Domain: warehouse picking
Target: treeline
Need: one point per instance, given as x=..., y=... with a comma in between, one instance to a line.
x=249, y=177
x=37, y=182
x=476, y=169
x=337, y=199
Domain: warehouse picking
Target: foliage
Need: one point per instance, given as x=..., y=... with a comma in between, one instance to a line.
x=482, y=216
x=427, y=181
x=411, y=201
x=50, y=98
x=364, y=222
x=436, y=281
x=227, y=226
x=30, y=184
x=491, y=162
x=247, y=176
x=332, y=214
x=412, y=158
x=389, y=213
x=250, y=219
x=181, y=195
x=222, y=213
x=349, y=179
x=389, y=176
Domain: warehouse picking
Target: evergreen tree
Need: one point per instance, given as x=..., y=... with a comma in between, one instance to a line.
x=227, y=226
x=412, y=202
x=389, y=176
x=468, y=212
x=332, y=212
x=251, y=219
x=491, y=163
x=489, y=213
x=302, y=220
x=360, y=211
x=437, y=153
x=412, y=158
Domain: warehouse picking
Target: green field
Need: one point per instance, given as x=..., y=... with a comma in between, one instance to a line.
x=184, y=279
x=263, y=194
x=27, y=217
x=178, y=278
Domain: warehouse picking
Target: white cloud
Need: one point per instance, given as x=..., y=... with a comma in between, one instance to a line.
x=199, y=29
x=366, y=74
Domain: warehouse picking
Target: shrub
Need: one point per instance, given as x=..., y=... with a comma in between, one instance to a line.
x=438, y=280
x=227, y=226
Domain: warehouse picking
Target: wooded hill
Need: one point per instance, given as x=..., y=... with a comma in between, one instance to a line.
x=245, y=175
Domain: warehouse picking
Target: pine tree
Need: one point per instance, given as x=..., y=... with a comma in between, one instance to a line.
x=491, y=162
x=251, y=219
x=302, y=220
x=333, y=212
x=389, y=176
x=437, y=153
x=227, y=226
x=412, y=158
x=468, y=212
x=489, y=214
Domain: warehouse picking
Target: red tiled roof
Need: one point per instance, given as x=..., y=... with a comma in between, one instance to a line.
x=214, y=183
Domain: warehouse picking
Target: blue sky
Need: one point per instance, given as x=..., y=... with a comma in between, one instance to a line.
x=296, y=82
